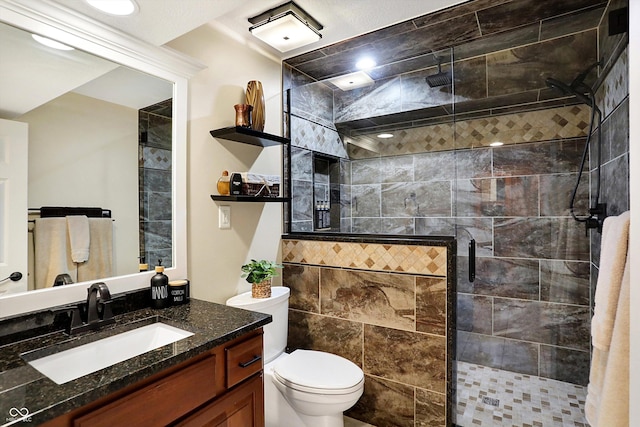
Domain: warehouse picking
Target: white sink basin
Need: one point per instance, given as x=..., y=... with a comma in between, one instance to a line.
x=85, y=359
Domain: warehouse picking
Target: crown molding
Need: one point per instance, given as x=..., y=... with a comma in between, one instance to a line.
x=55, y=21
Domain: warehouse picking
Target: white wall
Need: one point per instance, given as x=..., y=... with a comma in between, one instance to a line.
x=214, y=255
x=634, y=244
x=84, y=152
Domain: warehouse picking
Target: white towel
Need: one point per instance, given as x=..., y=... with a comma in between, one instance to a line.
x=79, y=237
x=607, y=403
x=100, y=262
x=51, y=251
x=613, y=256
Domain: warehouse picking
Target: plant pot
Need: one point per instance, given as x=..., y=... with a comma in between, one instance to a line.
x=261, y=290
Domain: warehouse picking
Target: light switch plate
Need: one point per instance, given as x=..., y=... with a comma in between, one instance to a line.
x=224, y=217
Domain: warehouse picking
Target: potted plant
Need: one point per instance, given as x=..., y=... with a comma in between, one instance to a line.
x=259, y=274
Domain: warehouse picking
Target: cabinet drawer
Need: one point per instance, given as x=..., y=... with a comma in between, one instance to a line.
x=243, y=360
x=161, y=402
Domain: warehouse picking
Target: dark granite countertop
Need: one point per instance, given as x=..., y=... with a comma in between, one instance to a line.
x=23, y=388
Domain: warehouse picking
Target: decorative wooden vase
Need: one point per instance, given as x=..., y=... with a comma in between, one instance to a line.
x=255, y=98
x=261, y=290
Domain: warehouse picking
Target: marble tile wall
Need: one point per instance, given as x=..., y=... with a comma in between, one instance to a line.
x=533, y=259
x=496, y=79
x=154, y=166
x=384, y=308
x=613, y=100
x=310, y=126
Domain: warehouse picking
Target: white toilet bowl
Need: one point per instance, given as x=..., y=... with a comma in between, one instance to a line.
x=311, y=389
x=305, y=388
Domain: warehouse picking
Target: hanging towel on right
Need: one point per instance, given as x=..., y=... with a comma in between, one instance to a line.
x=607, y=403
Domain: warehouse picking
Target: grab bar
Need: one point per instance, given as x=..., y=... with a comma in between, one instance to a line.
x=472, y=260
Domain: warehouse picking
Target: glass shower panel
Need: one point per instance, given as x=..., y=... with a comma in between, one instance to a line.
x=401, y=169
x=521, y=352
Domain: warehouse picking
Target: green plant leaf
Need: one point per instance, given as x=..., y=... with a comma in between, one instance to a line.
x=258, y=271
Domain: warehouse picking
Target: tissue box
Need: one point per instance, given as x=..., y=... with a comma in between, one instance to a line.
x=254, y=184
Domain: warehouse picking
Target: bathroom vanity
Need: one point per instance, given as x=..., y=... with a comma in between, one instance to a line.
x=211, y=376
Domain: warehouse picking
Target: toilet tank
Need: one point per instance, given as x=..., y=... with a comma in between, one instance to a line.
x=277, y=305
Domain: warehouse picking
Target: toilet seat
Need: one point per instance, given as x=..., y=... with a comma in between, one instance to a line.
x=318, y=372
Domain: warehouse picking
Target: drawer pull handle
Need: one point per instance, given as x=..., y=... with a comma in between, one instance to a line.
x=250, y=362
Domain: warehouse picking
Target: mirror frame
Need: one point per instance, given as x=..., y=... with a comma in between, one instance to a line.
x=81, y=32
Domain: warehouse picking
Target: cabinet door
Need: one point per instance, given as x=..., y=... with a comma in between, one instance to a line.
x=161, y=402
x=241, y=407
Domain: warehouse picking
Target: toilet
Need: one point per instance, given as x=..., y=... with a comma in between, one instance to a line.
x=305, y=388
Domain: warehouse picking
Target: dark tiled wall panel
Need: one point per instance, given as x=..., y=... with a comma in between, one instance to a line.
x=613, y=100
x=358, y=301
x=155, y=183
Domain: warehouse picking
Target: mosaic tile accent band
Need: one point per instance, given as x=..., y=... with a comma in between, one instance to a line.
x=310, y=135
x=427, y=260
x=543, y=125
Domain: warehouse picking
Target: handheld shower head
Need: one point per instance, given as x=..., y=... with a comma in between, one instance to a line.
x=568, y=90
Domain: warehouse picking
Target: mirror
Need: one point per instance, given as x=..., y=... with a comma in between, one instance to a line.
x=95, y=113
x=99, y=134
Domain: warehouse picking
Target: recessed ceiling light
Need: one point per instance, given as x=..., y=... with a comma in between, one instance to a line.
x=352, y=81
x=115, y=7
x=385, y=135
x=496, y=144
x=50, y=43
x=365, y=64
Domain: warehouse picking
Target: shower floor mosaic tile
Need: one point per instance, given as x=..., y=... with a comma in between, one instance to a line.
x=493, y=397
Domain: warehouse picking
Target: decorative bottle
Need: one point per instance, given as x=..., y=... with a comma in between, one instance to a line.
x=159, y=288
x=223, y=184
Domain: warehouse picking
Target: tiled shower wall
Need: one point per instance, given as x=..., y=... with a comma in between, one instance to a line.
x=528, y=309
x=613, y=100
x=154, y=166
x=311, y=131
x=384, y=306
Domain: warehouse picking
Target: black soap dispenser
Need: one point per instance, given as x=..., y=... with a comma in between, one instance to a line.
x=159, y=288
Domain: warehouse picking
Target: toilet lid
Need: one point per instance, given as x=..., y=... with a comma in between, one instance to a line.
x=317, y=371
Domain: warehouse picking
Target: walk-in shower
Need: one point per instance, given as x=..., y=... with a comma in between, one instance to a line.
x=491, y=154
x=584, y=93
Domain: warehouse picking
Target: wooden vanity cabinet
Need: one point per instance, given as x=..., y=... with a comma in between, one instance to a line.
x=222, y=387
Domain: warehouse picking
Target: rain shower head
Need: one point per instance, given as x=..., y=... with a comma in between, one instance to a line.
x=440, y=78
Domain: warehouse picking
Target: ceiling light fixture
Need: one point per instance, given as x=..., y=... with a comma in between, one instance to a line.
x=50, y=43
x=385, y=135
x=114, y=7
x=352, y=81
x=286, y=27
x=496, y=144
